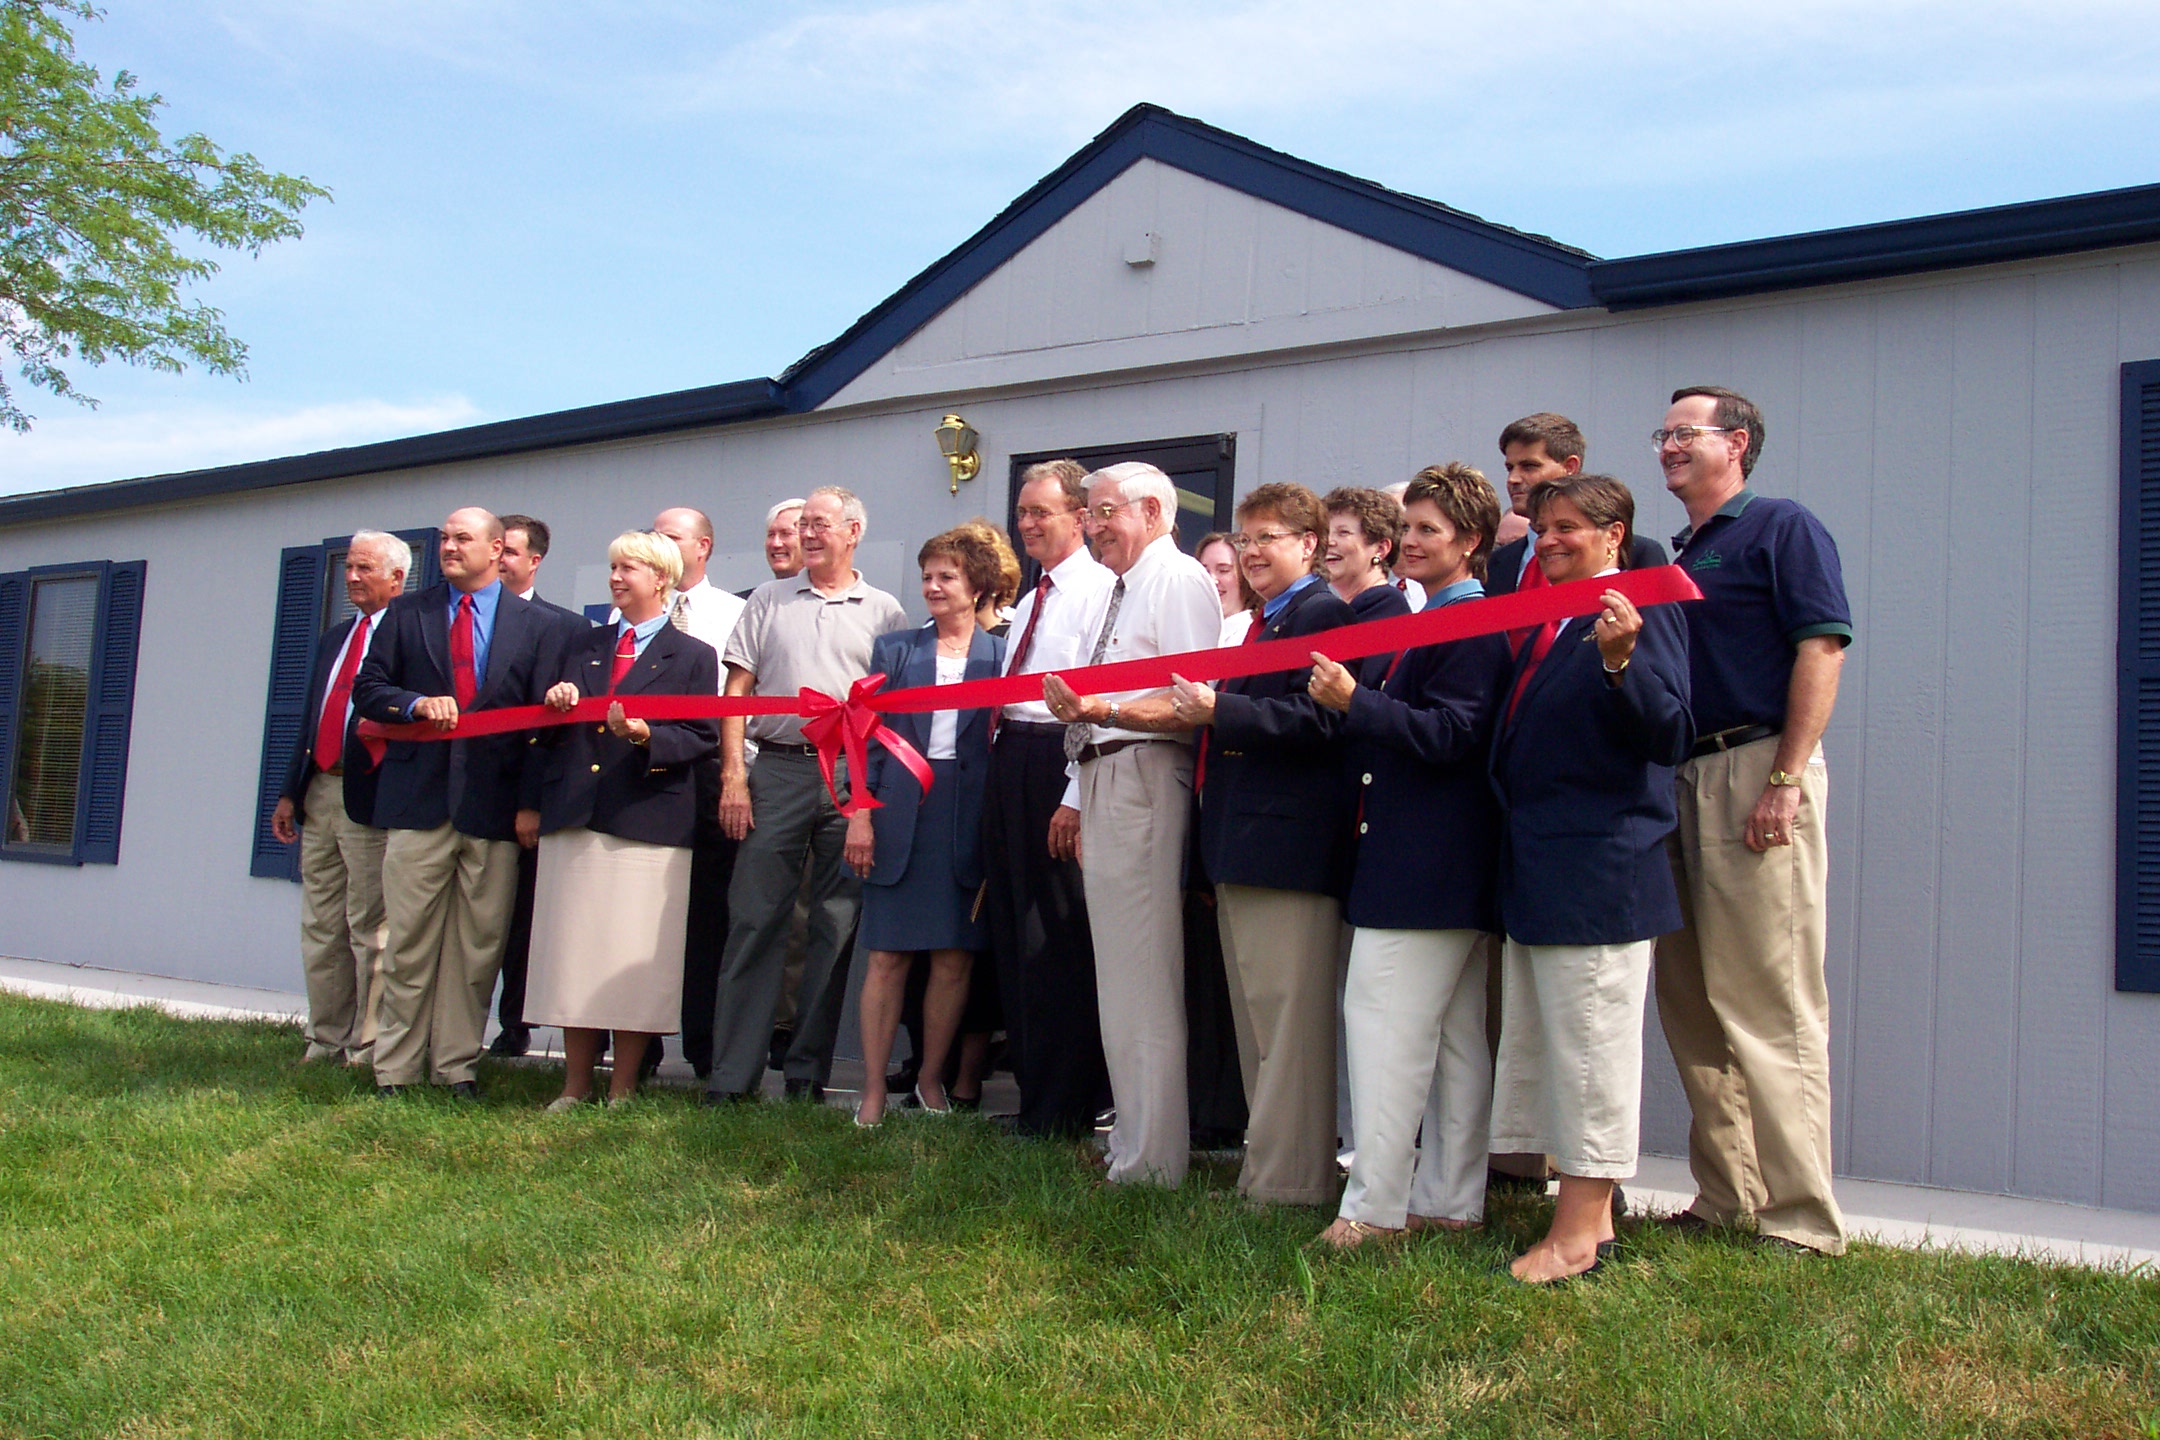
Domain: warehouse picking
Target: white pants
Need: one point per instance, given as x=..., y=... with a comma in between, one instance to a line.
x=1569, y=1078
x=1414, y=1011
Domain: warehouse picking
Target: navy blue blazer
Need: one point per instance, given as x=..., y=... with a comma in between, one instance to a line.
x=359, y=769
x=1584, y=774
x=638, y=792
x=1505, y=564
x=1376, y=602
x=908, y=660
x=477, y=785
x=1418, y=746
x=1273, y=812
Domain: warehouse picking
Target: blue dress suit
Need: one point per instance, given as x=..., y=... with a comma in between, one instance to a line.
x=929, y=849
x=637, y=792
x=1584, y=774
x=359, y=768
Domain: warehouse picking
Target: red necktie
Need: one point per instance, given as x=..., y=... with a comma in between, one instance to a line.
x=461, y=654
x=1027, y=639
x=1199, y=764
x=625, y=657
x=1542, y=646
x=1533, y=578
x=330, y=729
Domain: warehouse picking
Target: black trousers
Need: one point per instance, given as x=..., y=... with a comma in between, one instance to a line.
x=1037, y=916
x=517, y=947
x=1214, y=1082
x=712, y=869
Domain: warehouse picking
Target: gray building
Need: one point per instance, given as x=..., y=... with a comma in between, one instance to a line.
x=1971, y=402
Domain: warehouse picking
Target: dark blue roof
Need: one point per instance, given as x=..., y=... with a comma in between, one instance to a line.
x=1532, y=265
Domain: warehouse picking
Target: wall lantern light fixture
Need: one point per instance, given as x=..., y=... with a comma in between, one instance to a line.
x=956, y=442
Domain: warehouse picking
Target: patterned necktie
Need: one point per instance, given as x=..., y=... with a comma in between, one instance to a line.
x=330, y=729
x=1076, y=734
x=679, y=617
x=462, y=681
x=625, y=657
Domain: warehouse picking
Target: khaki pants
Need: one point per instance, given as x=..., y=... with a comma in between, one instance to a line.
x=341, y=923
x=1135, y=807
x=1569, y=1081
x=1280, y=948
x=1415, y=1013
x=1746, y=1012
x=448, y=899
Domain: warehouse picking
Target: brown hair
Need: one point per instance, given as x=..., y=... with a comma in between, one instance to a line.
x=977, y=560
x=1071, y=476
x=1247, y=598
x=1734, y=412
x=1561, y=437
x=1602, y=500
x=1378, y=513
x=536, y=532
x=1007, y=588
x=1462, y=494
x=1294, y=505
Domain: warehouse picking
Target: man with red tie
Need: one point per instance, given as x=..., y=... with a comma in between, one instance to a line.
x=1538, y=447
x=328, y=806
x=456, y=810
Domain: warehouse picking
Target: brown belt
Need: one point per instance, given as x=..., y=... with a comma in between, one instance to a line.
x=335, y=770
x=1096, y=752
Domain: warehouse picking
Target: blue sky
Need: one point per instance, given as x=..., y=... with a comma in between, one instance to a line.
x=542, y=205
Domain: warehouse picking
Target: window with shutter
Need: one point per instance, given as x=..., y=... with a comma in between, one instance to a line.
x=2137, y=699
x=292, y=656
x=68, y=645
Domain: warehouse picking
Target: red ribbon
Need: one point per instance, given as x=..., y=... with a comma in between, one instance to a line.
x=848, y=724
x=836, y=725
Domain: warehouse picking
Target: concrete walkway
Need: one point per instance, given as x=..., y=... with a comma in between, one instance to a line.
x=1913, y=1216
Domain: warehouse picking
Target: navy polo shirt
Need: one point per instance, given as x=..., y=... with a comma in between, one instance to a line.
x=1770, y=578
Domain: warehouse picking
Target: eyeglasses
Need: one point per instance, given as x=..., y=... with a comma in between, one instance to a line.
x=1041, y=513
x=1107, y=511
x=1242, y=543
x=1685, y=434
x=819, y=527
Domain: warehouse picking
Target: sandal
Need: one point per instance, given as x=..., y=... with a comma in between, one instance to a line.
x=1348, y=1234
x=1417, y=1224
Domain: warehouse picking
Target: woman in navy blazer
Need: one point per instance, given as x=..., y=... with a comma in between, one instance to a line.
x=920, y=856
x=1422, y=895
x=618, y=815
x=1594, y=722
x=1273, y=837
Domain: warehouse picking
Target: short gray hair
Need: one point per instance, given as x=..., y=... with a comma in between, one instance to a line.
x=395, y=552
x=781, y=509
x=1138, y=480
x=851, y=506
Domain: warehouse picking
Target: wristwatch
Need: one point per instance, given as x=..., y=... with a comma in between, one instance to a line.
x=1110, y=720
x=1782, y=777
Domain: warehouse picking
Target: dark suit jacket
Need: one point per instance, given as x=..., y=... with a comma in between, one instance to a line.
x=1428, y=857
x=1501, y=570
x=477, y=785
x=1273, y=813
x=573, y=625
x=638, y=792
x=1377, y=602
x=359, y=770
x=1584, y=774
x=908, y=660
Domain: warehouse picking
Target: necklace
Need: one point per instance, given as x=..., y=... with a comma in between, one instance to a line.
x=958, y=646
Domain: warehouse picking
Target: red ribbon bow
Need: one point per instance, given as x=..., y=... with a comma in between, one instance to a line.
x=834, y=726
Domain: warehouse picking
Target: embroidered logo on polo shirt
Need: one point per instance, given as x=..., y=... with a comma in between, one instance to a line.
x=1708, y=560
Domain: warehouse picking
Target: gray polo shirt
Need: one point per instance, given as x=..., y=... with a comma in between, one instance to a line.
x=790, y=636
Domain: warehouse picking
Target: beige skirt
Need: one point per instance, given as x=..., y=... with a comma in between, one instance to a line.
x=607, y=934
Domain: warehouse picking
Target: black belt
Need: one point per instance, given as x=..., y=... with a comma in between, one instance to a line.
x=1721, y=740
x=1097, y=752
x=1031, y=727
x=782, y=747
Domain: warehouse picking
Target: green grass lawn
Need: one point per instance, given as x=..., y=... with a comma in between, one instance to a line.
x=201, y=1237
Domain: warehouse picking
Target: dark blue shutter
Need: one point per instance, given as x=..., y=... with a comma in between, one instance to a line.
x=14, y=616
x=2137, y=694
x=111, y=714
x=426, y=557
x=292, y=659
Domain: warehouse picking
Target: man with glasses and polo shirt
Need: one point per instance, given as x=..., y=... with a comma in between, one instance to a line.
x=1740, y=988
x=1133, y=763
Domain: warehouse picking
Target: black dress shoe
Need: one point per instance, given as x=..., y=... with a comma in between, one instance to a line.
x=805, y=1090
x=721, y=1099
x=776, y=1053
x=511, y=1043
x=1685, y=1222
x=388, y=1092
x=465, y=1090
x=649, y=1063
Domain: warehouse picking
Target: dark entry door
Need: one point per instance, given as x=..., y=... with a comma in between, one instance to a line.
x=1201, y=466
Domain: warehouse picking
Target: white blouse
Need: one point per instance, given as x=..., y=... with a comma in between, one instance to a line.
x=945, y=724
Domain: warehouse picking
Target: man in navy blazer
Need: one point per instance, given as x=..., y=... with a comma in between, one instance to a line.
x=328, y=806
x=457, y=810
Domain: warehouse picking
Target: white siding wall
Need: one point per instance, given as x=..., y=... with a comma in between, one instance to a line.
x=1957, y=434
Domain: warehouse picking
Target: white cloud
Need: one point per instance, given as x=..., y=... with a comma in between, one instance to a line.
x=82, y=447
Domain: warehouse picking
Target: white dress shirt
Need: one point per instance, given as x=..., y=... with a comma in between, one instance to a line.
x=1079, y=587
x=1170, y=608
x=375, y=626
